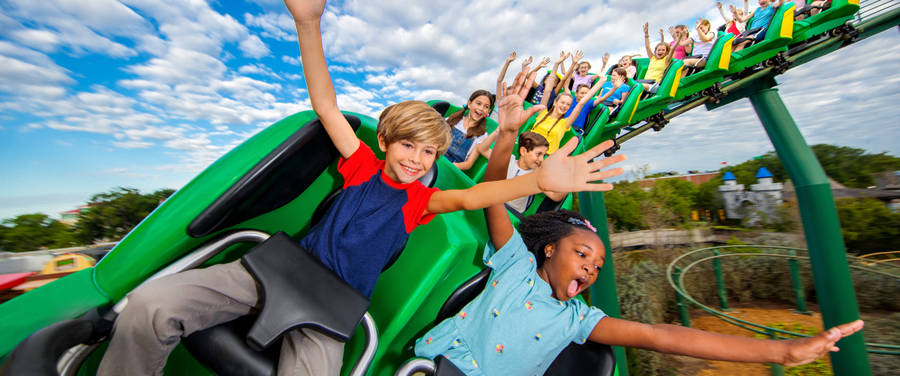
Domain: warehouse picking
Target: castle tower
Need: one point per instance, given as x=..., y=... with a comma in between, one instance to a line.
x=733, y=194
x=767, y=194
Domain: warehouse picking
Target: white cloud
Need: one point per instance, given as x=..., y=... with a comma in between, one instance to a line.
x=279, y=26
x=253, y=47
x=132, y=144
x=196, y=82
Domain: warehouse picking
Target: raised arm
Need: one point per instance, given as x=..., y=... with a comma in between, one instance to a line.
x=608, y=94
x=509, y=59
x=307, y=16
x=541, y=65
x=562, y=62
x=672, y=51
x=746, y=7
x=647, y=39
x=559, y=173
x=722, y=12
x=703, y=37
x=575, y=59
x=510, y=112
x=605, y=60
x=587, y=97
x=675, y=339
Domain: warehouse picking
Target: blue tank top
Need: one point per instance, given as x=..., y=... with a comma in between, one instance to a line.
x=459, y=146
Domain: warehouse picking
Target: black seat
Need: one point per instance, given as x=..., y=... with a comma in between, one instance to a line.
x=282, y=269
x=277, y=179
x=441, y=107
x=594, y=359
x=39, y=353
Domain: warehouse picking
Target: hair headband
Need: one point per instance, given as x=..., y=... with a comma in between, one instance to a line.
x=585, y=223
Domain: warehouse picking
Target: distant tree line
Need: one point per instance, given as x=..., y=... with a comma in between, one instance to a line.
x=109, y=217
x=867, y=224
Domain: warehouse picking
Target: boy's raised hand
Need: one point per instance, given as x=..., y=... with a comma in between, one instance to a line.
x=305, y=10
x=510, y=111
x=563, y=173
x=806, y=350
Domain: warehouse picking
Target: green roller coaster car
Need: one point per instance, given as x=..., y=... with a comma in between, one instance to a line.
x=839, y=13
x=268, y=184
x=779, y=34
x=665, y=93
x=716, y=67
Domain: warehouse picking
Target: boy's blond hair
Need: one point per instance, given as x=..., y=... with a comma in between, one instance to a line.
x=415, y=121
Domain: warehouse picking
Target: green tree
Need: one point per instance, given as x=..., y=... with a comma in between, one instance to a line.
x=673, y=200
x=867, y=225
x=709, y=198
x=30, y=232
x=623, y=206
x=113, y=214
x=849, y=166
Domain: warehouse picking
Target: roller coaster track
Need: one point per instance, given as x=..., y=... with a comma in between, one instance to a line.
x=682, y=265
x=874, y=16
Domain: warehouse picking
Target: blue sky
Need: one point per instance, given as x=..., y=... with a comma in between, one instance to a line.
x=96, y=94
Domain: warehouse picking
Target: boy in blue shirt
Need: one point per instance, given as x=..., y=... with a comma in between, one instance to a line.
x=381, y=204
x=611, y=95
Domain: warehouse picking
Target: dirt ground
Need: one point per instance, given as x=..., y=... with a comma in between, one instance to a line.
x=760, y=315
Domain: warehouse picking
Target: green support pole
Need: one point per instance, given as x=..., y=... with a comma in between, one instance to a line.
x=827, y=254
x=775, y=369
x=683, y=314
x=603, y=292
x=798, y=285
x=720, y=282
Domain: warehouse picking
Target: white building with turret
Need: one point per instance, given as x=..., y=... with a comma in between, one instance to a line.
x=760, y=202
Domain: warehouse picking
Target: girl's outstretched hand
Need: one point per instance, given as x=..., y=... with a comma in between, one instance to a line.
x=806, y=350
x=305, y=10
x=563, y=173
x=510, y=112
x=646, y=28
x=511, y=57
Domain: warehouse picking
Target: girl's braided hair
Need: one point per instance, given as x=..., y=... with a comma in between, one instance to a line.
x=548, y=227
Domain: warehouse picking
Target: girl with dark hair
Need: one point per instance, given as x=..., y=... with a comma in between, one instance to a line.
x=469, y=130
x=526, y=315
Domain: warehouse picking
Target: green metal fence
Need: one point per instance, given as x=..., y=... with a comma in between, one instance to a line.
x=682, y=265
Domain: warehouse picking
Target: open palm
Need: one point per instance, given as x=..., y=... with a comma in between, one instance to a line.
x=510, y=111
x=563, y=173
x=305, y=10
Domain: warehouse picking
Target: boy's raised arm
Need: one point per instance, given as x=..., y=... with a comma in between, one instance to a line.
x=307, y=17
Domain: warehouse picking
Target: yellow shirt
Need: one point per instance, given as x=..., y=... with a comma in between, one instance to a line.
x=655, y=69
x=551, y=129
